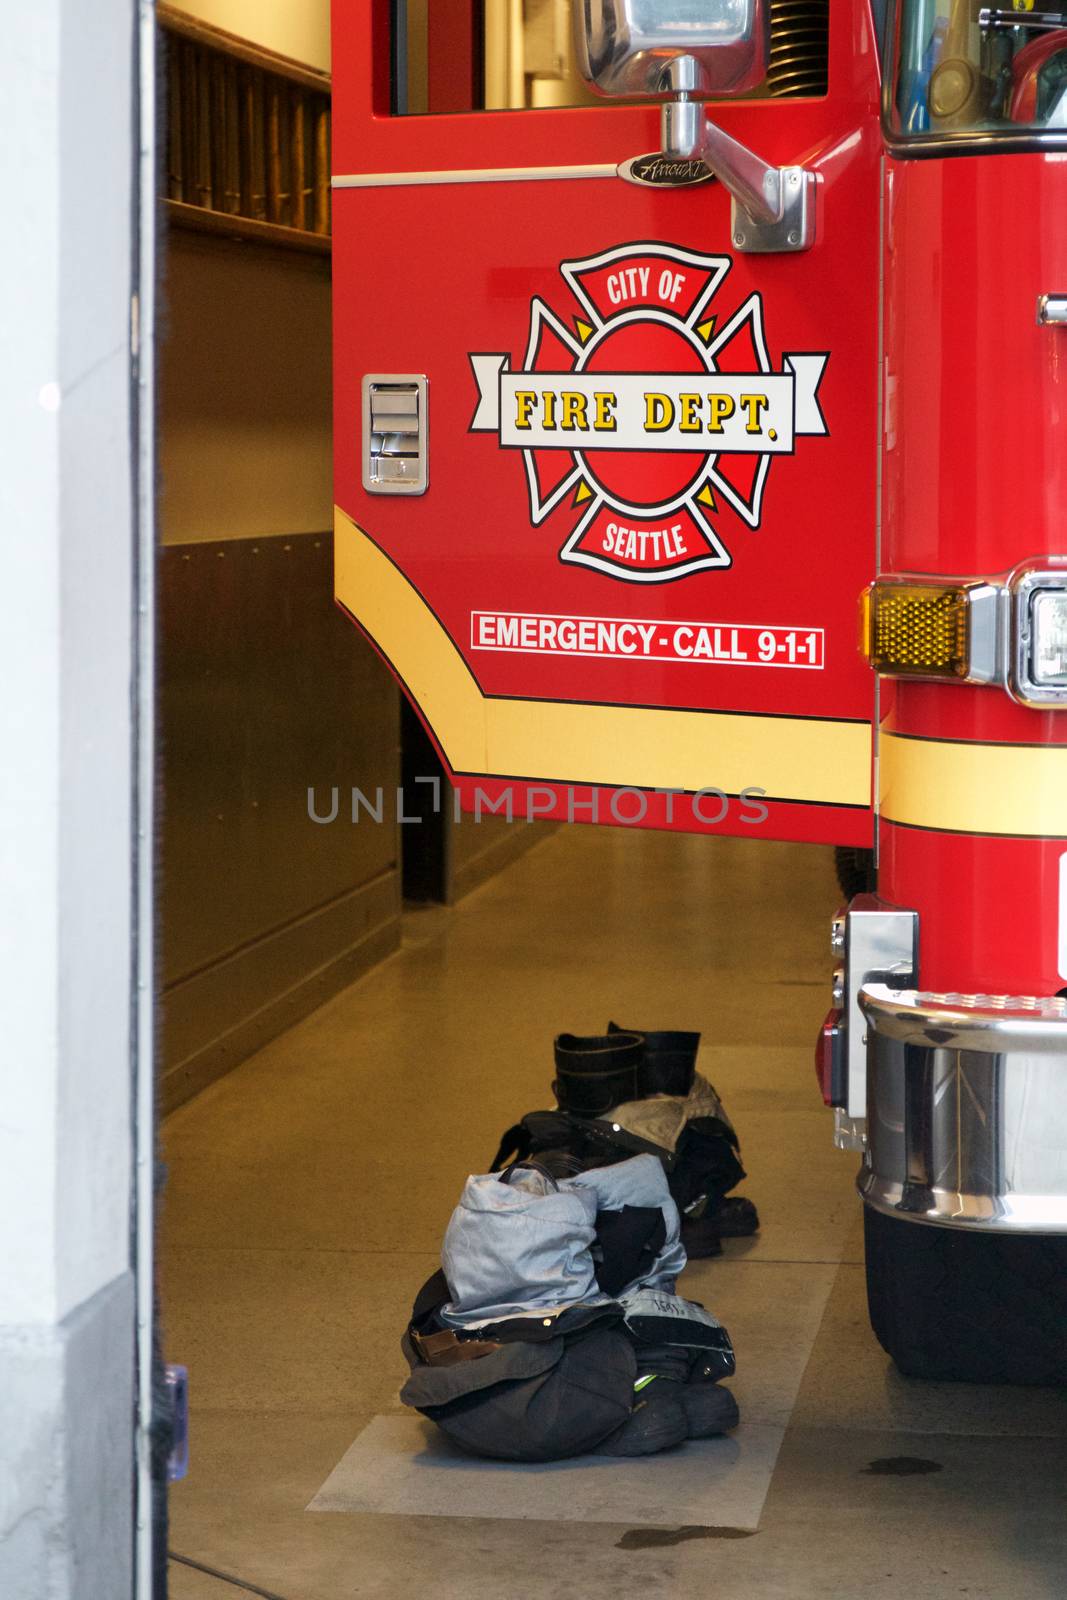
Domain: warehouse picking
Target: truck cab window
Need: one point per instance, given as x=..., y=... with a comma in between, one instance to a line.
x=507, y=55
x=964, y=69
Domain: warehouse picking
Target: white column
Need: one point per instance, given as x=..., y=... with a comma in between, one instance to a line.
x=67, y=541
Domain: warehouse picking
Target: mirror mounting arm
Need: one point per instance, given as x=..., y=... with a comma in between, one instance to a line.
x=773, y=207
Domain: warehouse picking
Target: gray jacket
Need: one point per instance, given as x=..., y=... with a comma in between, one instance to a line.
x=523, y=1247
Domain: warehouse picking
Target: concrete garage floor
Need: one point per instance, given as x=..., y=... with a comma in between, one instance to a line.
x=308, y=1193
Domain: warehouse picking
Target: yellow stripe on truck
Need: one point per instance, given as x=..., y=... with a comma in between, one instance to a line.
x=790, y=758
x=964, y=787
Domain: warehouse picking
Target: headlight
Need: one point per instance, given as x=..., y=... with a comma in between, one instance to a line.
x=1040, y=626
x=1048, y=648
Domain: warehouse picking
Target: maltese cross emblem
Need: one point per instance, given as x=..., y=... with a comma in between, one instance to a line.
x=649, y=420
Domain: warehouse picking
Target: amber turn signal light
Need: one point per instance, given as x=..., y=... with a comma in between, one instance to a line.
x=916, y=630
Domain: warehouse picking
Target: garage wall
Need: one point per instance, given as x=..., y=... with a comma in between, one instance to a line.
x=246, y=433
x=265, y=689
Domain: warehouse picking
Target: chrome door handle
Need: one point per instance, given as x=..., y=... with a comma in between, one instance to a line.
x=1052, y=310
x=395, y=433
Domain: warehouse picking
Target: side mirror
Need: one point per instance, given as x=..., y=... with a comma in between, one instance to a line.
x=658, y=47
x=683, y=52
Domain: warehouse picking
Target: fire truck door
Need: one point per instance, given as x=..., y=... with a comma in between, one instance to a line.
x=606, y=480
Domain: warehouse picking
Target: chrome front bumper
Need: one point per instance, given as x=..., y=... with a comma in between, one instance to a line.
x=966, y=1109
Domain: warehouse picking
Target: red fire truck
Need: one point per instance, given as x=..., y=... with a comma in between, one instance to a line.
x=666, y=332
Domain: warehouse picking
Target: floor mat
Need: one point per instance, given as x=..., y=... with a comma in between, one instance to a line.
x=403, y=1465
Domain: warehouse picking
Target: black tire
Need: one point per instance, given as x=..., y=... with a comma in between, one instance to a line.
x=967, y=1307
x=855, y=870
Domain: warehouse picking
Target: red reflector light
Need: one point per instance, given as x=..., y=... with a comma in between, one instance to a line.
x=830, y=1058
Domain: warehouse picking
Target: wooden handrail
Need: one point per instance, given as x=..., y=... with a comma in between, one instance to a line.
x=184, y=26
